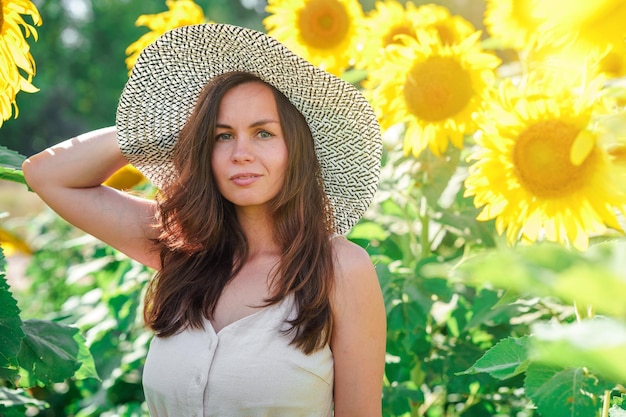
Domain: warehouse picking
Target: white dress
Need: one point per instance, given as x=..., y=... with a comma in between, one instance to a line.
x=247, y=369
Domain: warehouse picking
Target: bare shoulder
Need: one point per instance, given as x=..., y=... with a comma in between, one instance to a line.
x=353, y=269
x=350, y=257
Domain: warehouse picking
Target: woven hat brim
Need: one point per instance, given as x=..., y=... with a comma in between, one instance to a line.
x=170, y=73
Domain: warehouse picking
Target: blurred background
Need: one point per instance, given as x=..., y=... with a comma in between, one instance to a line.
x=80, y=61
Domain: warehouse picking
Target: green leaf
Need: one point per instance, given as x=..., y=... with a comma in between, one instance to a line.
x=409, y=317
x=390, y=207
x=482, y=308
x=538, y=374
x=12, y=411
x=599, y=275
x=561, y=393
x=11, y=174
x=49, y=353
x=399, y=399
x=10, y=374
x=10, y=158
x=11, y=333
x=368, y=231
x=354, y=76
x=590, y=278
x=504, y=268
x=87, y=365
x=597, y=344
x=507, y=358
x=11, y=165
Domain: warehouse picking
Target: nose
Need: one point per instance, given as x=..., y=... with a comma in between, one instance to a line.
x=242, y=151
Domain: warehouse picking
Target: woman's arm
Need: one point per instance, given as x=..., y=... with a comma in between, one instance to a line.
x=69, y=177
x=359, y=333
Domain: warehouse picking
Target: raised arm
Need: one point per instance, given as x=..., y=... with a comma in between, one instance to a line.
x=359, y=333
x=69, y=177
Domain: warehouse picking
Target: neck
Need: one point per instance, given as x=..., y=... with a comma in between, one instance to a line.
x=257, y=226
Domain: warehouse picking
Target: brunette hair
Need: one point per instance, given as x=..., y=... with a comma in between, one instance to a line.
x=202, y=245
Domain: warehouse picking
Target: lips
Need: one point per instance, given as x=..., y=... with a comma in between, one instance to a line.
x=245, y=178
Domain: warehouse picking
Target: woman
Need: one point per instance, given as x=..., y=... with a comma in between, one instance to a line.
x=259, y=306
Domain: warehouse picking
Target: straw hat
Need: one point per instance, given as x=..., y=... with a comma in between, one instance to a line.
x=170, y=73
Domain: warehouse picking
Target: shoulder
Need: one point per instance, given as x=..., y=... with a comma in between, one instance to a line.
x=355, y=275
x=349, y=257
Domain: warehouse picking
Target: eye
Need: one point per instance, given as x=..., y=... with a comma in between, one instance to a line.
x=264, y=134
x=223, y=136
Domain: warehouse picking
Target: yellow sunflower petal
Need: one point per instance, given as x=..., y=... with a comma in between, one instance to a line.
x=390, y=19
x=582, y=147
x=179, y=13
x=125, y=178
x=17, y=66
x=11, y=243
x=515, y=22
x=325, y=32
x=552, y=166
x=432, y=86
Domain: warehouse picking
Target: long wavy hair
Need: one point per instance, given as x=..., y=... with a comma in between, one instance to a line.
x=202, y=245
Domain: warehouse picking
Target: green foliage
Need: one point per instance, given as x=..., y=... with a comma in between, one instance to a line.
x=35, y=353
x=98, y=291
x=569, y=366
x=45, y=340
x=11, y=326
x=562, y=392
x=589, y=278
x=11, y=165
x=506, y=359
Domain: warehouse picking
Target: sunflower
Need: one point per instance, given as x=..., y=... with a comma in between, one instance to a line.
x=589, y=27
x=17, y=66
x=390, y=19
x=547, y=164
x=12, y=243
x=325, y=32
x=562, y=32
x=514, y=22
x=180, y=13
x=125, y=178
x=432, y=88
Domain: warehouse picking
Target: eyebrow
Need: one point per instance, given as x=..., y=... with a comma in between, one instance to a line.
x=255, y=124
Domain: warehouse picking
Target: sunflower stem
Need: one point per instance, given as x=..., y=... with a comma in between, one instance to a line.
x=424, y=232
x=606, y=403
x=584, y=313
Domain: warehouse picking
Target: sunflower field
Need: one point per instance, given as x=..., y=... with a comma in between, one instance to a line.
x=497, y=231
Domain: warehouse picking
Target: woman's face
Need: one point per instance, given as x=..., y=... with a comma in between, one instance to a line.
x=249, y=158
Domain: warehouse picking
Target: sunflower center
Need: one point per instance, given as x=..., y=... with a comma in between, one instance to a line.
x=323, y=23
x=437, y=88
x=542, y=157
x=403, y=29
